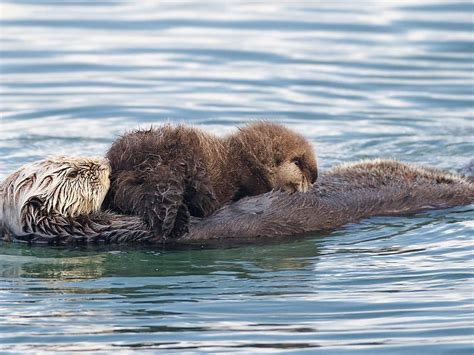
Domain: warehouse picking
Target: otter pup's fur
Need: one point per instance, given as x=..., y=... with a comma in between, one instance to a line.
x=167, y=174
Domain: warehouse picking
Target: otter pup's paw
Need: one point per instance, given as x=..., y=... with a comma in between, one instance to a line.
x=200, y=195
x=156, y=195
x=167, y=214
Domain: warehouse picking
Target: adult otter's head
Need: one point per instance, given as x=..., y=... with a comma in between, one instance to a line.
x=276, y=156
x=58, y=186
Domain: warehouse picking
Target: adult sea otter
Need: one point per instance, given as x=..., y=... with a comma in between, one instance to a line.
x=341, y=195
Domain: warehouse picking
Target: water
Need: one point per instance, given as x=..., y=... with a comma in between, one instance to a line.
x=359, y=79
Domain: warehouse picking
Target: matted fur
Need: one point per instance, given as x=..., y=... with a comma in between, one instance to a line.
x=58, y=186
x=167, y=174
x=58, y=198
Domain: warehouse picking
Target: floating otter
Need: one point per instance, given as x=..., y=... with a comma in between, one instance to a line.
x=167, y=174
x=58, y=199
x=342, y=195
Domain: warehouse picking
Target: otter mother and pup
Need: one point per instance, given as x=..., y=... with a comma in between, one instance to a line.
x=341, y=195
x=168, y=174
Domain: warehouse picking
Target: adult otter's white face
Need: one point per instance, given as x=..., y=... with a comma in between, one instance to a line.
x=58, y=186
x=73, y=186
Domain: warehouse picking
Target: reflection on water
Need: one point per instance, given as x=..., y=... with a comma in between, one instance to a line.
x=359, y=79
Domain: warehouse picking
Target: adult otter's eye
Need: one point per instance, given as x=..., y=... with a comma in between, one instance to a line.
x=72, y=174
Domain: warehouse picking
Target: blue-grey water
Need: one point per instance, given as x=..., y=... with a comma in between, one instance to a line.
x=360, y=79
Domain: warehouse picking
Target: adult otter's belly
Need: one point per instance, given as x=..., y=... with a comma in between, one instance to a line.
x=342, y=195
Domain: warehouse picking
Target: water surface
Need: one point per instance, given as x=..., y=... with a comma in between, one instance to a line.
x=359, y=79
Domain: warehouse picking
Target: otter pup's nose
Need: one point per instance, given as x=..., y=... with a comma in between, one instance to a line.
x=314, y=176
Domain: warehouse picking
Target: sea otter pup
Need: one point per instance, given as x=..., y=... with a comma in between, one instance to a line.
x=58, y=199
x=167, y=174
x=342, y=195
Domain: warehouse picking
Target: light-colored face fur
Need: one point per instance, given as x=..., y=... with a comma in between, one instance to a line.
x=287, y=158
x=58, y=186
x=290, y=175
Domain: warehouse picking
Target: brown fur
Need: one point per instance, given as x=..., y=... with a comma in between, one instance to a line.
x=342, y=195
x=168, y=174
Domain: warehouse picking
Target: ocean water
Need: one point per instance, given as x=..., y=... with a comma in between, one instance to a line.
x=361, y=79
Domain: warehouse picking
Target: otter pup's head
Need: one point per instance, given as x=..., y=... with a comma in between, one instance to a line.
x=58, y=186
x=276, y=156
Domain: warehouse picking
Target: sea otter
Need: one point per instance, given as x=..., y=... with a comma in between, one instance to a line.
x=166, y=175
x=53, y=200
x=344, y=194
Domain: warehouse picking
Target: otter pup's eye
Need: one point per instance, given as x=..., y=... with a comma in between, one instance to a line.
x=298, y=162
x=72, y=174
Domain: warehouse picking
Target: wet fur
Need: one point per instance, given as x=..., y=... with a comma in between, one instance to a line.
x=168, y=174
x=57, y=201
x=342, y=195
x=32, y=198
